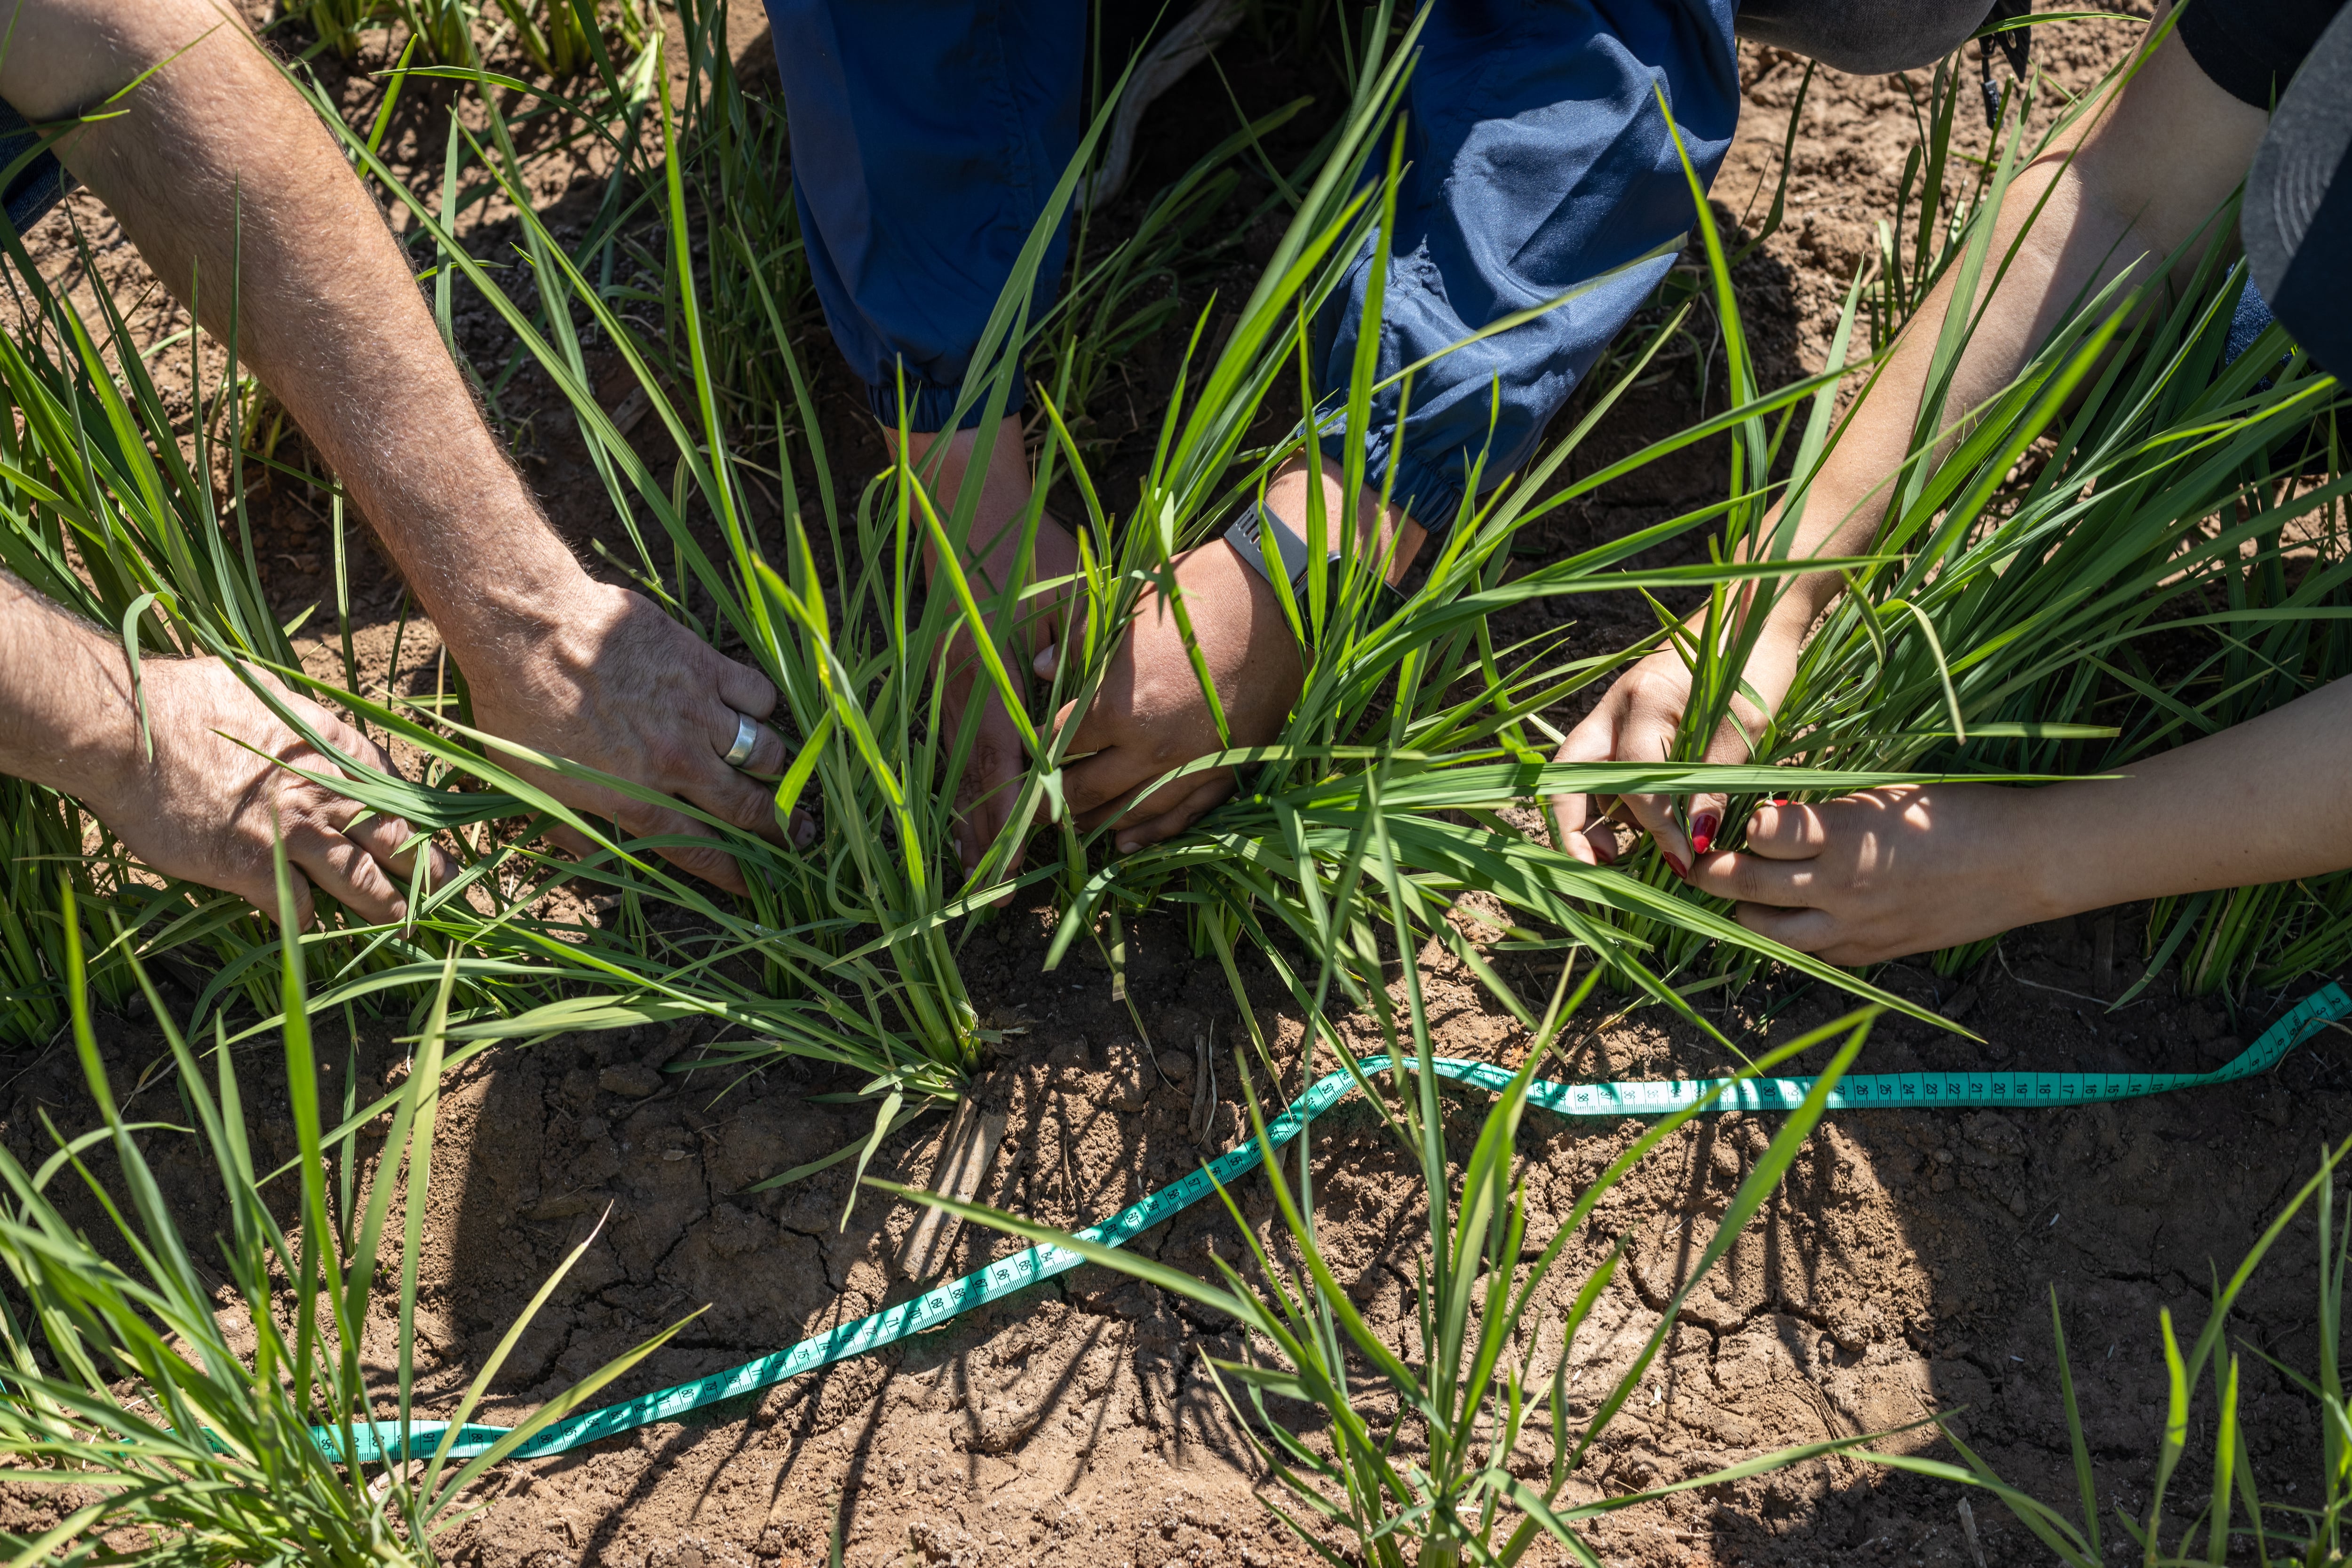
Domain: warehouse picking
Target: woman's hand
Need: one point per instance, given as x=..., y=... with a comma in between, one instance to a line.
x=1903, y=869
x=1635, y=721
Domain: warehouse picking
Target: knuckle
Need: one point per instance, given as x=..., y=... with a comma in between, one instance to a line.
x=672, y=757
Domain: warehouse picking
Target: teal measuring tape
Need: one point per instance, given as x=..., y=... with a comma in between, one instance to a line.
x=1659, y=1098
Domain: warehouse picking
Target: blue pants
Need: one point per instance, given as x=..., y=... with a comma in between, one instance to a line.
x=928, y=134
x=39, y=185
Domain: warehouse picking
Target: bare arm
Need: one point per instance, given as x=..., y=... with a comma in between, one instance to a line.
x=1911, y=868
x=2134, y=187
x=201, y=807
x=219, y=171
x=2153, y=164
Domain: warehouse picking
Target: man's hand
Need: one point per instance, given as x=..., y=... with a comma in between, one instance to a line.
x=603, y=678
x=1151, y=714
x=1635, y=723
x=210, y=810
x=990, y=785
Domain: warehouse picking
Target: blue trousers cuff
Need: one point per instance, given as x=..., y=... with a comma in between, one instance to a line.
x=1427, y=493
x=928, y=406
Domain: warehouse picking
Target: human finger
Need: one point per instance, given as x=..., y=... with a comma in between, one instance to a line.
x=1582, y=820
x=769, y=753
x=1644, y=738
x=338, y=866
x=383, y=838
x=1755, y=879
x=636, y=819
x=1088, y=732
x=1195, y=805
x=386, y=840
x=734, y=797
x=298, y=886
x=1705, y=815
x=1102, y=787
x=571, y=840
x=743, y=688
x=1159, y=799
x=1806, y=930
x=1780, y=831
x=986, y=794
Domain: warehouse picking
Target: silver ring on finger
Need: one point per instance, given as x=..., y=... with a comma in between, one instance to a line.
x=747, y=737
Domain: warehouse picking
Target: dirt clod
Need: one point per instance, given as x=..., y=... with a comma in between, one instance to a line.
x=634, y=1079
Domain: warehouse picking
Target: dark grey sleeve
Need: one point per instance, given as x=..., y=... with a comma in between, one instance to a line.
x=2297, y=217
x=1865, y=38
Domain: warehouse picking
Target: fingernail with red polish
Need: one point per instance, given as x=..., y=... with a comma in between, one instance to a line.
x=1680, y=869
x=1703, y=829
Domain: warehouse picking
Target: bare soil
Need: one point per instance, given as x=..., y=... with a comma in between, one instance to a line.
x=1905, y=1267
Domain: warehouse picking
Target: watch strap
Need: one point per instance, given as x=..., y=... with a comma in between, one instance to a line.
x=1248, y=536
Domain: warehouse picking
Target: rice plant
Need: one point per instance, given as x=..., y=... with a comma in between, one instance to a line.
x=128, y=1383
x=86, y=485
x=2235, y=1516
x=847, y=952
x=754, y=289
x=560, y=38
x=341, y=25
x=1421, y=1440
x=1408, y=713
x=2041, y=628
x=565, y=37
x=443, y=29
x=2010, y=624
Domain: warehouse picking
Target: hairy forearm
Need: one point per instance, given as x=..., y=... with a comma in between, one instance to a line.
x=66, y=714
x=240, y=201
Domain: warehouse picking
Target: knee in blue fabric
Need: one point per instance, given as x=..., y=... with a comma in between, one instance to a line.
x=41, y=185
x=1540, y=161
x=927, y=136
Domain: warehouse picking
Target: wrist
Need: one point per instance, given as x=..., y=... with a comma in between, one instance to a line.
x=2064, y=867
x=528, y=601
x=99, y=753
x=68, y=717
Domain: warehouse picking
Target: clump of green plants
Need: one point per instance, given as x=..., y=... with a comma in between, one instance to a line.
x=1418, y=1465
x=857, y=632
x=1412, y=718
x=2235, y=1520
x=561, y=38
x=211, y=1420
x=2045, y=559
x=159, y=555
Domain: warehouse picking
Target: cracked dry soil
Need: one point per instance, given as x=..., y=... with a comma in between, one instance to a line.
x=1903, y=1268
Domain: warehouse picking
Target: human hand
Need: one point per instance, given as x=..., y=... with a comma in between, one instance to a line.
x=1888, y=872
x=1635, y=721
x=1150, y=716
x=990, y=784
x=602, y=676
x=208, y=809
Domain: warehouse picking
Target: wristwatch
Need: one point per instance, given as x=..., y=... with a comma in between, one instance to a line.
x=1254, y=527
